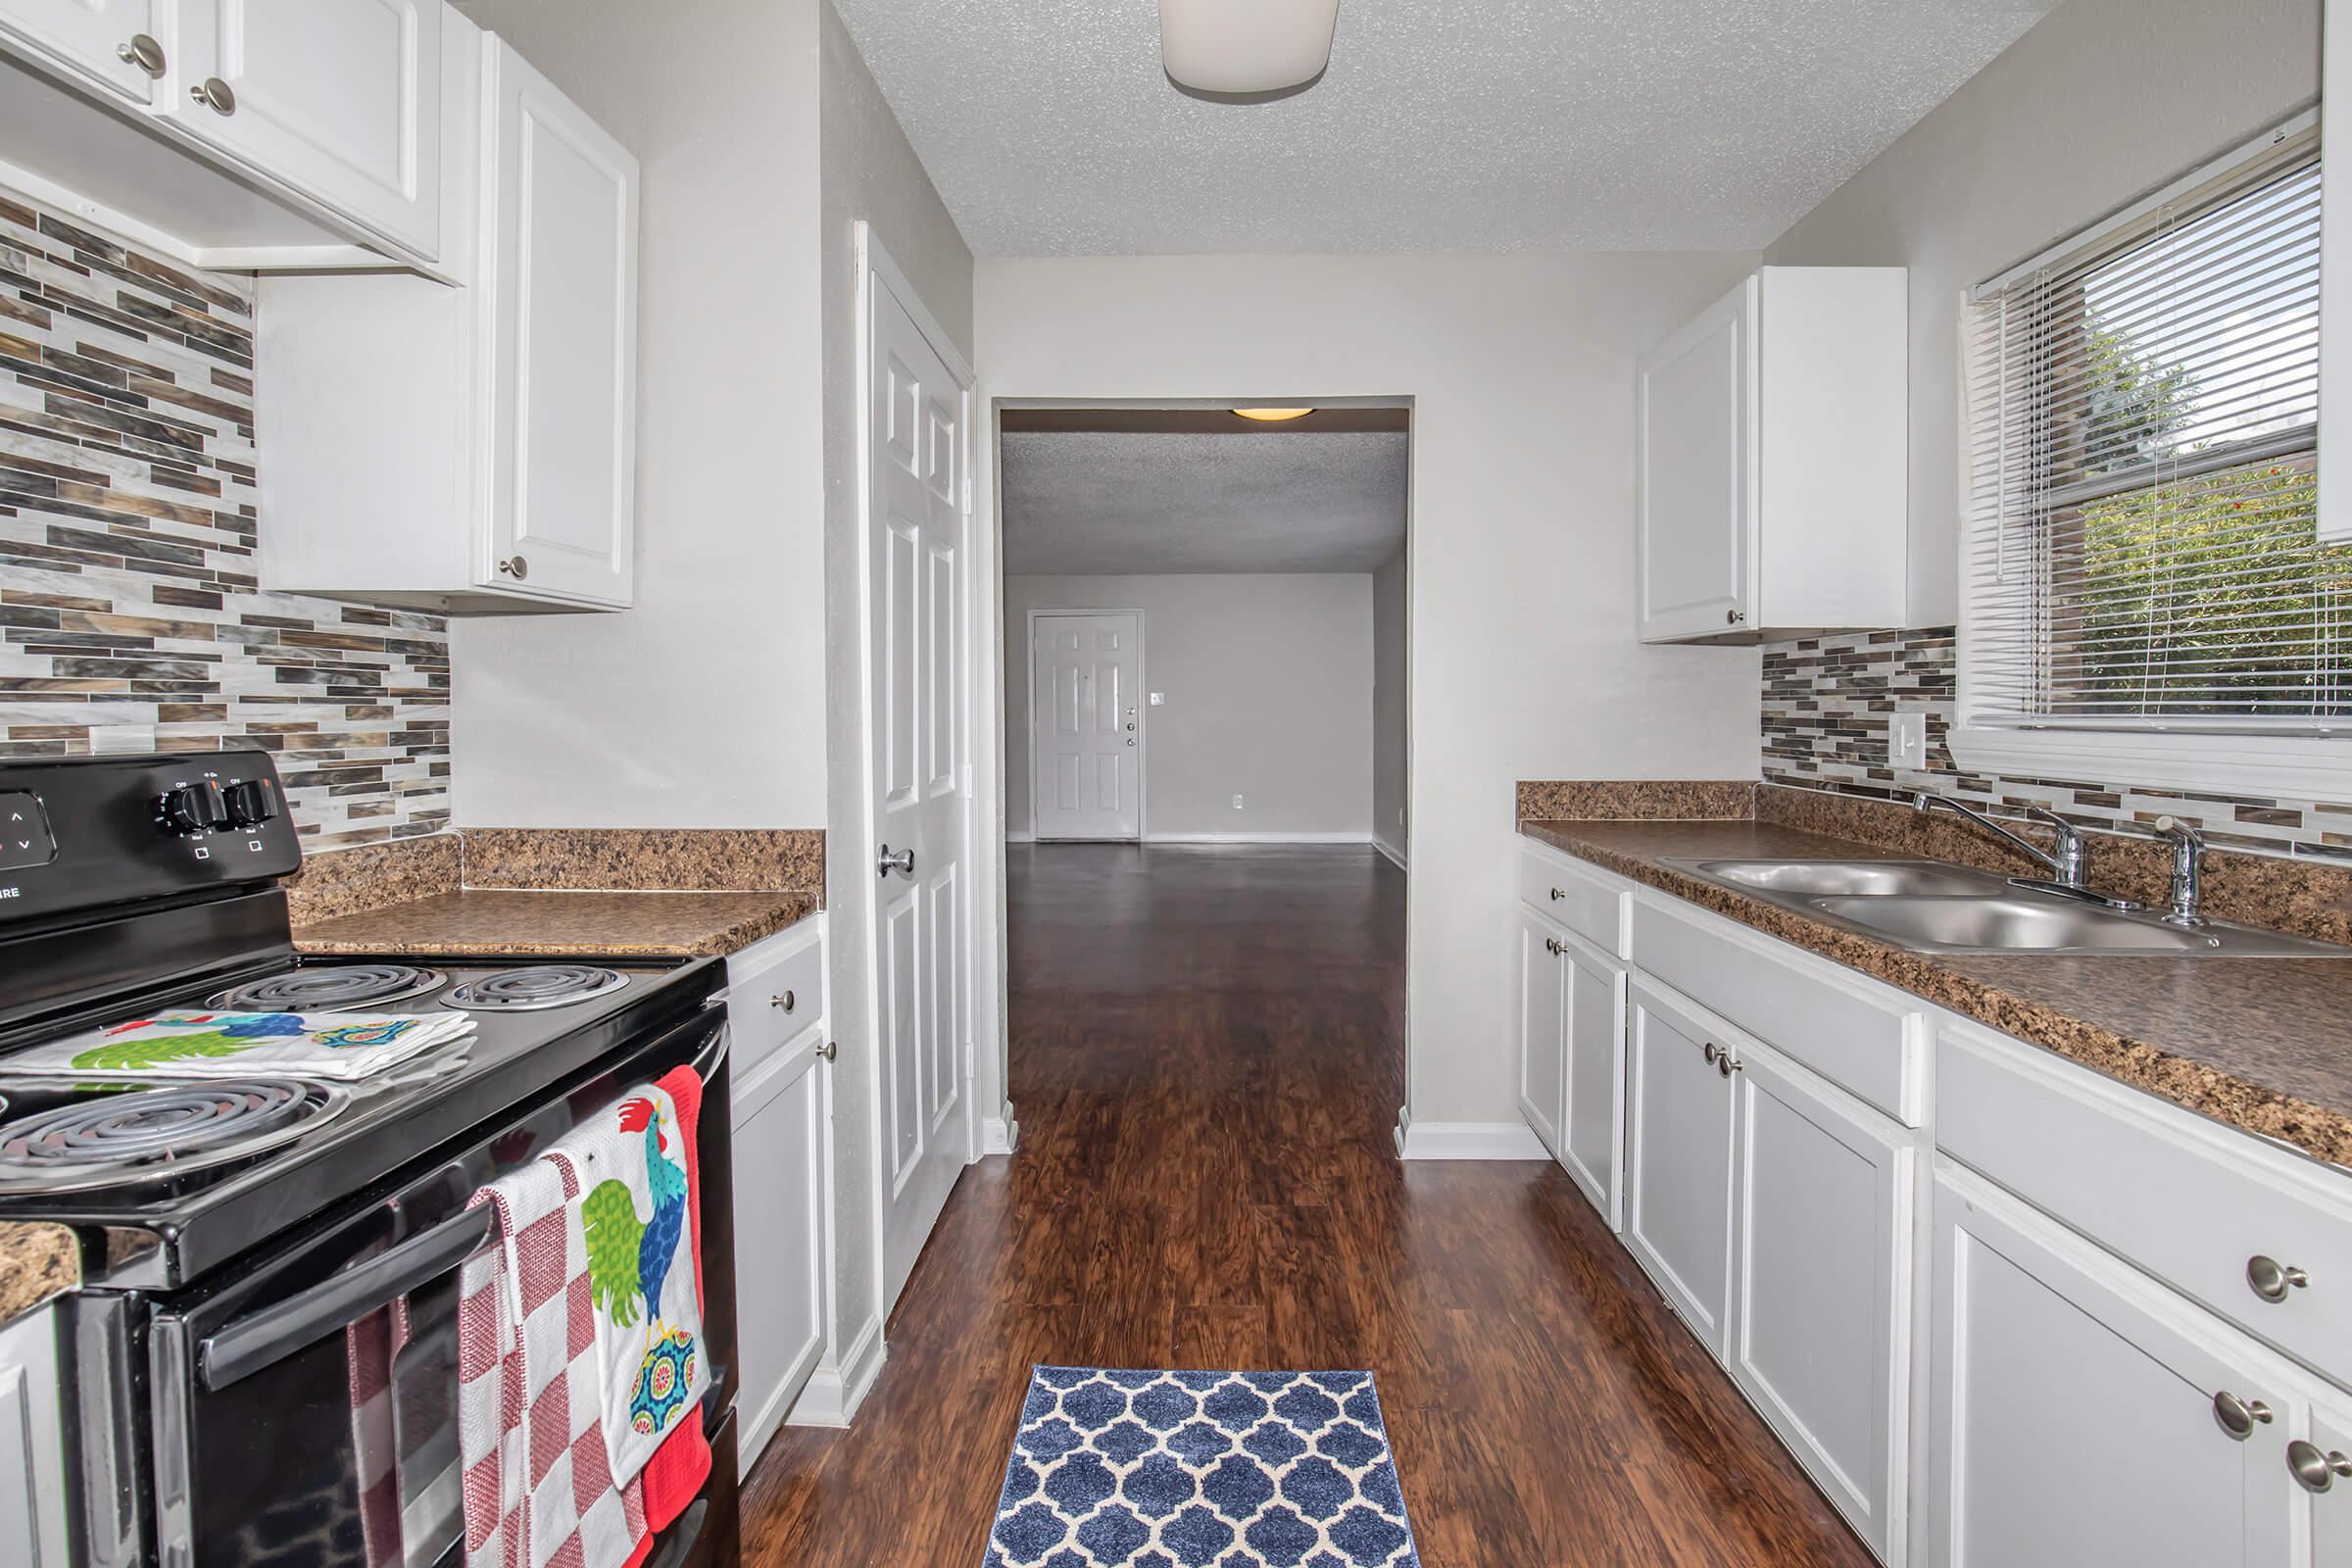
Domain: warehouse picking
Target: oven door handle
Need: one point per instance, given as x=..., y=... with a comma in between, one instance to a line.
x=239, y=1348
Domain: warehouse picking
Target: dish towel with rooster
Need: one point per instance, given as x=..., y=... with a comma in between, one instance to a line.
x=579, y=1341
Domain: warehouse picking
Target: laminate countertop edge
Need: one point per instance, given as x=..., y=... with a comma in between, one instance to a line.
x=502, y=923
x=2164, y=1025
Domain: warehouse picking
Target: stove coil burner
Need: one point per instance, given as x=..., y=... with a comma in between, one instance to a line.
x=143, y=1133
x=544, y=985
x=329, y=988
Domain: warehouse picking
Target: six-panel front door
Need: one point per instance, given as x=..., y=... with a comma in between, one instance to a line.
x=1086, y=725
x=916, y=522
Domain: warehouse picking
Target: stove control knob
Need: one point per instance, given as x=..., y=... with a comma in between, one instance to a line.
x=197, y=808
x=251, y=801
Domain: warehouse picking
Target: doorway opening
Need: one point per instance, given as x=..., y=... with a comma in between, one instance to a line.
x=1206, y=705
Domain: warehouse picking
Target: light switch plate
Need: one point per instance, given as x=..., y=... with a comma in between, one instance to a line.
x=1160, y=699
x=1907, y=737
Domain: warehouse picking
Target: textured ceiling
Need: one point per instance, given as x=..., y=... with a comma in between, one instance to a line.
x=1442, y=124
x=1097, y=504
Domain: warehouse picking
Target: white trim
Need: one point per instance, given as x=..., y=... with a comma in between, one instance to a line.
x=2290, y=767
x=1467, y=1140
x=1000, y=1134
x=1395, y=855
x=837, y=1388
x=1257, y=838
x=1143, y=731
x=1020, y=838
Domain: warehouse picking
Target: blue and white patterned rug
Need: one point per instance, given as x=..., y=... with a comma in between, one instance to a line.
x=1201, y=1470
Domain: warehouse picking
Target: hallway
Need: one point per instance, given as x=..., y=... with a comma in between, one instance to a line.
x=1206, y=1064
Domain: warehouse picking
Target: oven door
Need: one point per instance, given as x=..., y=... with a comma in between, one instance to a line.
x=306, y=1413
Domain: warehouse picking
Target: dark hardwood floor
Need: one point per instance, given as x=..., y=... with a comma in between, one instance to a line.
x=1207, y=1061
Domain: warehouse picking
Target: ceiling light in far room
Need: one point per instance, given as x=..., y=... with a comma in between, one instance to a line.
x=1274, y=415
x=1246, y=48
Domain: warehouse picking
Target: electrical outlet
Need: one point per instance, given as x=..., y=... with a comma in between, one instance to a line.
x=1160, y=699
x=1236, y=802
x=1907, y=737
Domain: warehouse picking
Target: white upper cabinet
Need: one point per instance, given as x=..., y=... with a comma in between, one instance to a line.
x=339, y=99
x=468, y=450
x=1772, y=460
x=235, y=134
x=561, y=197
x=116, y=44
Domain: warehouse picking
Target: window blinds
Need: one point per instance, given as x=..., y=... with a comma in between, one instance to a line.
x=2141, y=550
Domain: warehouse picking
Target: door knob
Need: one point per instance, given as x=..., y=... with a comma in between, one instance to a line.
x=214, y=94
x=886, y=863
x=2237, y=1416
x=2271, y=1278
x=2314, y=1470
x=143, y=52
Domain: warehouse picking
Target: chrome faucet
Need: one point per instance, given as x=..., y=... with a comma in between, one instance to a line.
x=2068, y=858
x=2189, y=875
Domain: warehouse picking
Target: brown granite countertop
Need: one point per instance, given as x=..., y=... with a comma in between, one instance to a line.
x=496, y=923
x=2263, y=1045
x=36, y=1263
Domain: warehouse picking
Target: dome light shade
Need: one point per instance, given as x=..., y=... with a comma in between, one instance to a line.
x=1273, y=416
x=1243, y=47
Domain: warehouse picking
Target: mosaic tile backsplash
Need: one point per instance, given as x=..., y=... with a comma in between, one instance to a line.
x=1826, y=706
x=128, y=521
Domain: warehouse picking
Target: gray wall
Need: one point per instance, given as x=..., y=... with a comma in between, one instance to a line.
x=1392, y=732
x=2102, y=101
x=1269, y=687
x=702, y=705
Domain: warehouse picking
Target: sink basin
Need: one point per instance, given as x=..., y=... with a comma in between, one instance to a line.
x=1876, y=878
x=2031, y=923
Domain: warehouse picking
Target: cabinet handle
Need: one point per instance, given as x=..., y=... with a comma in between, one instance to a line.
x=516, y=568
x=214, y=94
x=1557, y=894
x=1710, y=1051
x=2315, y=1471
x=2237, y=1416
x=2271, y=1278
x=1733, y=617
x=143, y=52
x=1551, y=945
x=785, y=1002
x=1725, y=1066
x=829, y=1050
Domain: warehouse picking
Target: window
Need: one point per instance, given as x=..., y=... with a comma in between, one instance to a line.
x=2145, y=595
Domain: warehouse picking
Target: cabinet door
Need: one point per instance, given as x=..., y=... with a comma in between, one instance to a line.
x=2075, y=1409
x=338, y=99
x=1543, y=1041
x=1678, y=1161
x=1821, y=1298
x=93, y=39
x=2332, y=1509
x=561, y=199
x=779, y=1234
x=1592, y=1143
x=32, y=1482
x=1696, y=420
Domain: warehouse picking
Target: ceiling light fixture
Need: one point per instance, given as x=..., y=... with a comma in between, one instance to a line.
x=1273, y=416
x=1246, y=49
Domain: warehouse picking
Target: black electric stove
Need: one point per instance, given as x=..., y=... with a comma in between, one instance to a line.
x=233, y=1231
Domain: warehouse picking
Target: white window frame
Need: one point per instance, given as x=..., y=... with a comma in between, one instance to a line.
x=2264, y=765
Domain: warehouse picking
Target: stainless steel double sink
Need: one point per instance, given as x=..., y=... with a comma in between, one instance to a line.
x=1929, y=906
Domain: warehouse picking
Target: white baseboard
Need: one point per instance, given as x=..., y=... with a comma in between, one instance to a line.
x=1467, y=1140
x=1020, y=838
x=1257, y=838
x=1395, y=855
x=836, y=1389
x=1000, y=1134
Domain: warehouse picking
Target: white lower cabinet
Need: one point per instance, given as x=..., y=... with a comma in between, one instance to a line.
x=1543, y=1029
x=782, y=1112
x=1592, y=1125
x=2325, y=1470
x=2080, y=1414
x=1678, y=1161
x=33, y=1458
x=1821, y=1285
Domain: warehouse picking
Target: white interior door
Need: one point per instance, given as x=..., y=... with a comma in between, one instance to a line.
x=917, y=522
x=1086, y=724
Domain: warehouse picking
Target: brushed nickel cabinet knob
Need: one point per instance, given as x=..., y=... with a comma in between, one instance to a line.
x=143, y=52
x=214, y=94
